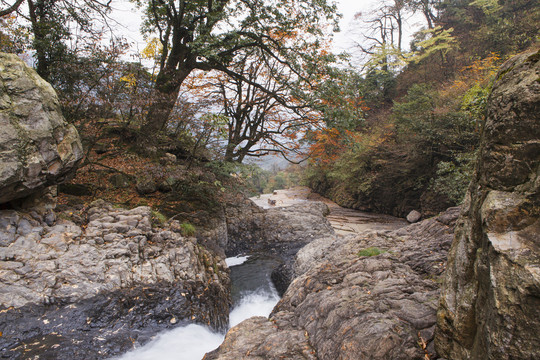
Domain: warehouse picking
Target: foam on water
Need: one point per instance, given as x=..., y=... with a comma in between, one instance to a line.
x=236, y=260
x=189, y=342
x=259, y=303
x=192, y=341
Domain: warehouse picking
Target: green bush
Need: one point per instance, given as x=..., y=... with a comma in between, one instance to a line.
x=187, y=229
x=453, y=177
x=158, y=218
x=371, y=251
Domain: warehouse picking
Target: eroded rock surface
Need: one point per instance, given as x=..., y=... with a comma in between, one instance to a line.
x=97, y=289
x=347, y=302
x=280, y=231
x=252, y=228
x=37, y=147
x=490, y=306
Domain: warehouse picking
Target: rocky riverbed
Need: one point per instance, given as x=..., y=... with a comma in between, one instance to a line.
x=370, y=295
x=95, y=281
x=344, y=221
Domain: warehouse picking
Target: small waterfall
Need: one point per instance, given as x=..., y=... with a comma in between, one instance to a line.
x=253, y=295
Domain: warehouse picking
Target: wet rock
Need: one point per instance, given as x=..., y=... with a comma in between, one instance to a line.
x=106, y=324
x=281, y=231
x=115, y=278
x=38, y=148
x=282, y=277
x=352, y=305
x=489, y=307
x=271, y=343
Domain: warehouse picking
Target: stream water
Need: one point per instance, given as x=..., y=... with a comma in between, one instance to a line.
x=253, y=294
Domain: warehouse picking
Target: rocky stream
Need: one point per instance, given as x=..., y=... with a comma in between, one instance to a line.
x=103, y=282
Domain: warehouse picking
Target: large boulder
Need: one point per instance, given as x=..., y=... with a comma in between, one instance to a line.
x=38, y=147
x=490, y=305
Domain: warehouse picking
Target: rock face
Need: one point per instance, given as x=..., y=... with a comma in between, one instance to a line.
x=251, y=228
x=490, y=306
x=372, y=296
x=37, y=147
x=280, y=231
x=115, y=277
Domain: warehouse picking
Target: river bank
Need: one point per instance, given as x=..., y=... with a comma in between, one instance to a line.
x=253, y=294
x=344, y=221
x=368, y=293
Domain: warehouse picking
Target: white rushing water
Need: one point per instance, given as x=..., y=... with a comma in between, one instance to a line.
x=191, y=342
x=236, y=260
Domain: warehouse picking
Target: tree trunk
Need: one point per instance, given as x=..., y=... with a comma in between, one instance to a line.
x=38, y=16
x=163, y=100
x=229, y=152
x=159, y=111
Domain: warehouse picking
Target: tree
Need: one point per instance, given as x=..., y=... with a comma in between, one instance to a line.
x=341, y=100
x=381, y=44
x=11, y=8
x=52, y=24
x=207, y=34
x=257, y=123
x=432, y=41
x=429, y=8
x=382, y=32
x=14, y=38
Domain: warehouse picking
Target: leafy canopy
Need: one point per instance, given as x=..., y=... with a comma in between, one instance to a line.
x=207, y=34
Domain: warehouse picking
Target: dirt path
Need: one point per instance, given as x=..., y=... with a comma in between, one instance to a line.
x=344, y=221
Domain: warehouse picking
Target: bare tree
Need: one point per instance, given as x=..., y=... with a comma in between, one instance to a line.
x=382, y=32
x=10, y=8
x=428, y=8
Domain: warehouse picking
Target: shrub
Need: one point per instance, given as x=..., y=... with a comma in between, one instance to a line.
x=371, y=251
x=453, y=177
x=187, y=229
x=158, y=218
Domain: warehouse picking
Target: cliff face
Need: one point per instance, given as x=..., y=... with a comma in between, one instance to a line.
x=38, y=148
x=490, y=304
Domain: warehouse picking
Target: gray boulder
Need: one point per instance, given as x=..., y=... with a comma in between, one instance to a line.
x=38, y=148
x=414, y=216
x=117, y=277
x=490, y=307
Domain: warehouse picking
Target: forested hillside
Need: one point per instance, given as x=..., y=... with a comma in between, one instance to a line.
x=387, y=128
x=415, y=144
